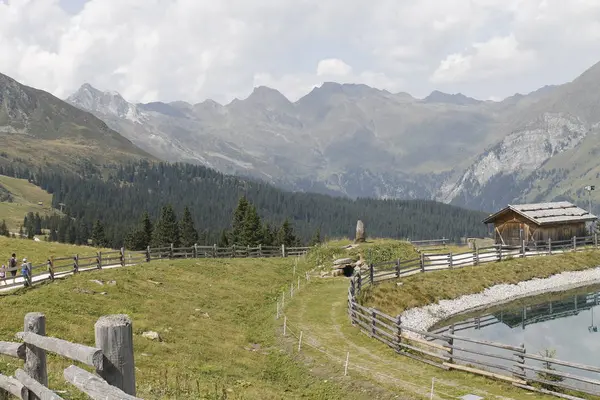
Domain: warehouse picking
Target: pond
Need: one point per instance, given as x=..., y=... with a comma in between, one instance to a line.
x=563, y=326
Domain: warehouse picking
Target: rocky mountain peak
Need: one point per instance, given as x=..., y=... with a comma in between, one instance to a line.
x=457, y=99
x=263, y=95
x=110, y=103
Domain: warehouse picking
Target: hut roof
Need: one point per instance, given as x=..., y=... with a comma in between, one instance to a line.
x=547, y=213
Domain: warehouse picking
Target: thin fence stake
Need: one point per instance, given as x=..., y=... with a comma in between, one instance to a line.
x=291, y=289
x=432, y=382
x=346, y=366
x=300, y=342
x=277, y=309
x=284, y=325
x=298, y=283
x=283, y=300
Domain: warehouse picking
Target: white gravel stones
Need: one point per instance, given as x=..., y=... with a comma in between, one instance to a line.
x=423, y=318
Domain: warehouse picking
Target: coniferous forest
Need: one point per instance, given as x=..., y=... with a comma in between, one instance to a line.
x=157, y=203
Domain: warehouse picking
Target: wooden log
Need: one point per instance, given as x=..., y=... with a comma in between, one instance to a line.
x=114, y=336
x=94, y=386
x=77, y=352
x=15, y=350
x=33, y=386
x=563, y=363
x=484, y=373
x=35, y=358
x=13, y=386
x=544, y=391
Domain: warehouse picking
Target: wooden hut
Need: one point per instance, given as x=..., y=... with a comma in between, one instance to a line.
x=539, y=222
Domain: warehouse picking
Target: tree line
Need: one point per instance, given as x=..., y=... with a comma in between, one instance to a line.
x=212, y=199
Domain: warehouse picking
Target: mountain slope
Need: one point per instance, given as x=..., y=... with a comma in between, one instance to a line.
x=550, y=150
x=41, y=129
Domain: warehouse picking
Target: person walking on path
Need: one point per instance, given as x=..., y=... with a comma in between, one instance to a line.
x=26, y=273
x=12, y=266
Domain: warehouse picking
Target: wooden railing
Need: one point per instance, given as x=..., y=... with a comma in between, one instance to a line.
x=111, y=358
x=61, y=266
x=446, y=350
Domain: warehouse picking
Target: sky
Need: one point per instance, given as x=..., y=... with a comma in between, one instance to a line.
x=191, y=50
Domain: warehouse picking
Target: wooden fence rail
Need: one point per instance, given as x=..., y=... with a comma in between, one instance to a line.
x=112, y=359
x=56, y=267
x=444, y=349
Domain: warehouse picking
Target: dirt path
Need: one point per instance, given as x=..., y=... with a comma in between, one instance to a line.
x=320, y=313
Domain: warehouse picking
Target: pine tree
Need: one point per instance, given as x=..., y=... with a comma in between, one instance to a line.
x=237, y=225
x=189, y=234
x=223, y=239
x=267, y=235
x=4, y=229
x=146, y=232
x=37, y=224
x=166, y=231
x=286, y=235
x=251, y=234
x=98, y=236
x=316, y=239
x=21, y=232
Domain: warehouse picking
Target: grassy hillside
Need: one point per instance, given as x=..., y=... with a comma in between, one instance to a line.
x=25, y=198
x=216, y=319
x=38, y=252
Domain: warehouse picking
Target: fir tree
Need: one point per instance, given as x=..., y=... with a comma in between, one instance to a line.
x=223, y=239
x=237, y=225
x=286, y=235
x=251, y=234
x=98, y=237
x=147, y=229
x=189, y=234
x=37, y=224
x=267, y=235
x=4, y=229
x=316, y=239
x=166, y=231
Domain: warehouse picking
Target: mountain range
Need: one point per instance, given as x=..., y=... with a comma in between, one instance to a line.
x=347, y=139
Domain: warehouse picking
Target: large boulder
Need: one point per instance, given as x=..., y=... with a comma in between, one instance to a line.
x=342, y=261
x=360, y=232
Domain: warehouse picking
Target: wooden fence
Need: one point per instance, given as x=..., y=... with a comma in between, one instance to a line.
x=447, y=350
x=111, y=358
x=55, y=267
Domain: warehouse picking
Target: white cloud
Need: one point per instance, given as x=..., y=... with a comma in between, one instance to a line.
x=194, y=49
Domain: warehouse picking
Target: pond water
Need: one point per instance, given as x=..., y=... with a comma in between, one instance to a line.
x=564, y=324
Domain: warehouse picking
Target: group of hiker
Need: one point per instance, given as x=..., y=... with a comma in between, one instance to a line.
x=26, y=271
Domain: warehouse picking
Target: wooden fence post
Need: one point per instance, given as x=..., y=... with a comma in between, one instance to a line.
x=214, y=251
x=260, y=254
x=195, y=250
x=450, y=261
x=451, y=343
x=373, y=322
x=476, y=258
x=248, y=251
x=399, y=332
x=283, y=250
x=499, y=252
x=550, y=246
x=574, y=243
x=171, y=251
x=122, y=256
x=358, y=283
x=422, y=262
x=595, y=240
x=148, y=254
x=114, y=336
x=398, y=268
x=519, y=371
x=35, y=358
x=372, y=273
x=233, y=251
x=523, y=248
x=76, y=263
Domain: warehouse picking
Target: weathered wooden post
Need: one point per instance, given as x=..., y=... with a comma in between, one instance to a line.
x=148, y=254
x=519, y=371
x=233, y=251
x=283, y=250
x=214, y=251
x=499, y=252
x=358, y=283
x=451, y=344
x=476, y=253
x=574, y=243
x=35, y=358
x=523, y=248
x=595, y=240
x=260, y=254
x=195, y=250
x=76, y=263
x=122, y=256
x=248, y=251
x=171, y=250
x=550, y=246
x=422, y=261
x=450, y=261
x=373, y=322
x=372, y=273
x=398, y=268
x=114, y=336
x=399, y=332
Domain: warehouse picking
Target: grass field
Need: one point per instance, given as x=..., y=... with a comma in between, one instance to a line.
x=216, y=319
x=38, y=252
x=422, y=289
x=26, y=197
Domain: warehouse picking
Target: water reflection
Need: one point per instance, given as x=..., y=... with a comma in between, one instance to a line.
x=566, y=324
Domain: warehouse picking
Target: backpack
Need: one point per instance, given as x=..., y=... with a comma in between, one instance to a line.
x=13, y=263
